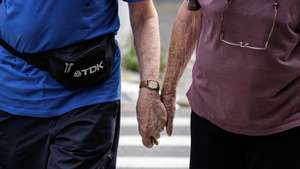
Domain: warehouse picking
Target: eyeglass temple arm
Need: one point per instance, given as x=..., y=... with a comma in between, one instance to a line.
x=193, y=5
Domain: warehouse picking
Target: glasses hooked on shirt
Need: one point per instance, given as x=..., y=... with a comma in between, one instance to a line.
x=243, y=43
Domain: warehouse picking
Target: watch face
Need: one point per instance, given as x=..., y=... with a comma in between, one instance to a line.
x=152, y=85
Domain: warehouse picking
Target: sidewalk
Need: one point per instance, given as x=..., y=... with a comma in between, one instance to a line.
x=172, y=152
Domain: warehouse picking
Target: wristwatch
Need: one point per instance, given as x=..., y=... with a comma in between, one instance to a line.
x=150, y=84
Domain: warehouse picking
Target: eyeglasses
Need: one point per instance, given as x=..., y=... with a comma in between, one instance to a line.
x=245, y=44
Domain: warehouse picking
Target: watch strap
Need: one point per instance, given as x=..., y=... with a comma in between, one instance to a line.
x=145, y=84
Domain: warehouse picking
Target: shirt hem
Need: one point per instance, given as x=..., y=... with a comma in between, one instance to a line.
x=250, y=132
x=287, y=124
x=48, y=114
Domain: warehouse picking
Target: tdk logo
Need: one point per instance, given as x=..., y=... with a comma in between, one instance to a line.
x=89, y=71
x=83, y=72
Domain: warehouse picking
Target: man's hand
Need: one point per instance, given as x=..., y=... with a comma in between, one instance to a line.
x=151, y=115
x=169, y=100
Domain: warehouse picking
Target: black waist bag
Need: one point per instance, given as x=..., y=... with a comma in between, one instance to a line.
x=75, y=66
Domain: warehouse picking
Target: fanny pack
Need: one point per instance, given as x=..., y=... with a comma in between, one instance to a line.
x=75, y=66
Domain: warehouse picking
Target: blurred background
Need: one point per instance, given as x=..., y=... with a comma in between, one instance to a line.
x=173, y=152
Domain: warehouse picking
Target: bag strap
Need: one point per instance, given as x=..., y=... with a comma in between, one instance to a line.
x=10, y=49
x=29, y=58
x=13, y=51
x=35, y=58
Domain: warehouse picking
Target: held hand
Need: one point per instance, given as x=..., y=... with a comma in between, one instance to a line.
x=151, y=115
x=169, y=100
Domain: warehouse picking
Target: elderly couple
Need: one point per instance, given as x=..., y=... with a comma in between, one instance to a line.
x=245, y=94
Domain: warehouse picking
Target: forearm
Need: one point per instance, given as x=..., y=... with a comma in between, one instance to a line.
x=147, y=44
x=183, y=42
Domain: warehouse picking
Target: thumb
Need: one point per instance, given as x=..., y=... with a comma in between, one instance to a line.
x=161, y=111
x=169, y=102
x=170, y=124
x=147, y=141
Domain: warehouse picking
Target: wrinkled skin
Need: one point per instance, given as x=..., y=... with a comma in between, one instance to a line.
x=185, y=34
x=151, y=115
x=169, y=100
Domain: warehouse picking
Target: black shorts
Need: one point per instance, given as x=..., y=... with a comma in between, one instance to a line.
x=85, y=138
x=214, y=148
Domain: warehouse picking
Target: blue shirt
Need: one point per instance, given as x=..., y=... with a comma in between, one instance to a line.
x=39, y=25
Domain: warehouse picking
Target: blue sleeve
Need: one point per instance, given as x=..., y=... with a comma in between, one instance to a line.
x=131, y=1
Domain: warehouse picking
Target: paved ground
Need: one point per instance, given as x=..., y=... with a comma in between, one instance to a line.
x=173, y=152
x=167, y=10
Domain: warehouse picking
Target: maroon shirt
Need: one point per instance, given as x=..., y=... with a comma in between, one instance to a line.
x=246, y=78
